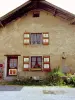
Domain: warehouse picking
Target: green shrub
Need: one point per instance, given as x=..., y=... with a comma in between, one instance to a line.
x=70, y=81
x=55, y=77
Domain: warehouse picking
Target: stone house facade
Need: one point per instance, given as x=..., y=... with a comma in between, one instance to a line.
x=35, y=38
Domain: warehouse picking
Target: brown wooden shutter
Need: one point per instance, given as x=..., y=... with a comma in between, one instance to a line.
x=12, y=71
x=26, y=38
x=26, y=60
x=46, y=38
x=46, y=63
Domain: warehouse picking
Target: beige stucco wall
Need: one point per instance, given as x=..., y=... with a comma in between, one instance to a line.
x=61, y=39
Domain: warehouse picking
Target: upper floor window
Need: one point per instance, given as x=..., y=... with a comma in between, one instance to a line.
x=36, y=13
x=36, y=38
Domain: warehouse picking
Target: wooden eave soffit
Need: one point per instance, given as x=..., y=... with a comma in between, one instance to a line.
x=8, y=55
x=1, y=24
x=72, y=21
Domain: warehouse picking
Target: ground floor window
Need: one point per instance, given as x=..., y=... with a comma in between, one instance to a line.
x=34, y=63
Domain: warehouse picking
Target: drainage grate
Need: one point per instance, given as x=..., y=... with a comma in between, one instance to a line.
x=54, y=92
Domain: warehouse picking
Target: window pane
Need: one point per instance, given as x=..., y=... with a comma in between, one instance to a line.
x=39, y=58
x=15, y=60
x=11, y=60
x=39, y=38
x=13, y=63
x=33, y=38
x=40, y=63
x=33, y=59
x=33, y=63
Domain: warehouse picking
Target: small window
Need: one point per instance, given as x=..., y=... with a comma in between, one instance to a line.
x=36, y=14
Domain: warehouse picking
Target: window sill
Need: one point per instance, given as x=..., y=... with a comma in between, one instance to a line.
x=11, y=75
x=34, y=45
x=36, y=69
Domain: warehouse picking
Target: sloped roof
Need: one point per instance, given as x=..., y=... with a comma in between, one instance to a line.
x=36, y=4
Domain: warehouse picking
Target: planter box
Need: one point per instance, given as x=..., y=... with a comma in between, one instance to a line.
x=35, y=69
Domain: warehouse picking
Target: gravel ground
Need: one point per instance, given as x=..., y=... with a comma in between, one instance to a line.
x=36, y=93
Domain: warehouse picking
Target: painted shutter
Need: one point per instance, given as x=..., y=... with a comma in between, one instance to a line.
x=46, y=38
x=26, y=63
x=26, y=38
x=46, y=63
x=12, y=72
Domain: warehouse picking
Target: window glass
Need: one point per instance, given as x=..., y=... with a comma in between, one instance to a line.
x=39, y=59
x=39, y=38
x=33, y=38
x=13, y=63
x=40, y=63
x=33, y=58
x=36, y=38
x=33, y=63
x=36, y=62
